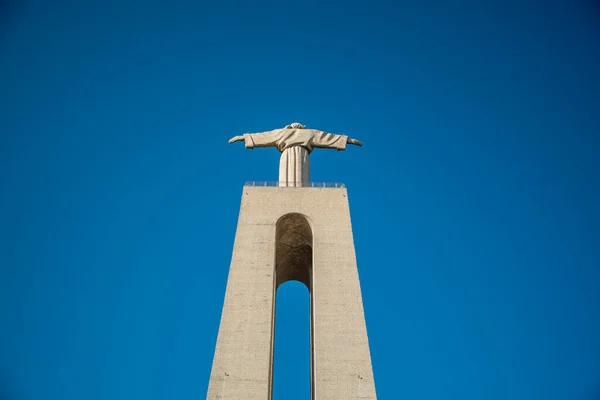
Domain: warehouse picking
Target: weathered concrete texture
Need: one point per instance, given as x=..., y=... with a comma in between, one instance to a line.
x=341, y=362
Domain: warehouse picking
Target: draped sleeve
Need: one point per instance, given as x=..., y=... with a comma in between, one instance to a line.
x=262, y=139
x=329, y=140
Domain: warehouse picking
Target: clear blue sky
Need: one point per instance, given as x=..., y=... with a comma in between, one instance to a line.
x=474, y=199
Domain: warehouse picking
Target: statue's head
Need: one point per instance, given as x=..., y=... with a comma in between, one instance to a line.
x=295, y=125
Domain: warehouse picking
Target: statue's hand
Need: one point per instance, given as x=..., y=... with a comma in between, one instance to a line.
x=236, y=139
x=354, y=141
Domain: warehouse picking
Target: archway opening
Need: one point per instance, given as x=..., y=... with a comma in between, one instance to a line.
x=293, y=250
x=292, y=352
x=292, y=343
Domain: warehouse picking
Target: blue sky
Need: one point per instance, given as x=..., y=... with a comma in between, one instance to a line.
x=474, y=199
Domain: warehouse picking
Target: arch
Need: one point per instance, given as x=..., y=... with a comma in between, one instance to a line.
x=294, y=262
x=293, y=250
x=292, y=350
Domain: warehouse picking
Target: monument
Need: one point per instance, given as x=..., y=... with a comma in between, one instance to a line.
x=295, y=142
x=293, y=231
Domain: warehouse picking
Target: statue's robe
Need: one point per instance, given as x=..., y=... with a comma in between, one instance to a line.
x=295, y=145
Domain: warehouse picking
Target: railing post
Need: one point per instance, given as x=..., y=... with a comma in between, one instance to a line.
x=310, y=184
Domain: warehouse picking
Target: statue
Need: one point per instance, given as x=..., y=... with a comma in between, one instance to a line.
x=295, y=142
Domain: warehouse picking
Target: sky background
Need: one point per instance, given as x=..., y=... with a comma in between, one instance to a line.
x=474, y=200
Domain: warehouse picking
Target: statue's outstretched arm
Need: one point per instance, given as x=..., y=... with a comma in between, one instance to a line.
x=236, y=139
x=260, y=139
x=328, y=140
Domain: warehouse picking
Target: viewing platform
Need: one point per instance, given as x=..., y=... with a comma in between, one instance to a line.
x=283, y=184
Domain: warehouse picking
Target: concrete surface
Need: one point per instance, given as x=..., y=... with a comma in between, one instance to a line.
x=303, y=234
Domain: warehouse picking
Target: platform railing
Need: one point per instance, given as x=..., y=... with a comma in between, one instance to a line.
x=312, y=184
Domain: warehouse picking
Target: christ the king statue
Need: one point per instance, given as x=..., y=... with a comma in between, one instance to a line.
x=295, y=142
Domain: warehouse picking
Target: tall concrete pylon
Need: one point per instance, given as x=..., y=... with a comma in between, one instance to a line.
x=298, y=233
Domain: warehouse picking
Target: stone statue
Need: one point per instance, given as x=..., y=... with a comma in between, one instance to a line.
x=295, y=142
